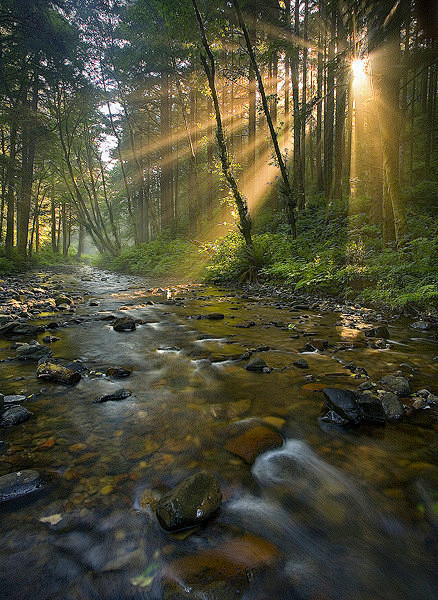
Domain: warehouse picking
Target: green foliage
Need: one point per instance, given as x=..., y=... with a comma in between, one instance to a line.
x=6, y=266
x=159, y=257
x=340, y=256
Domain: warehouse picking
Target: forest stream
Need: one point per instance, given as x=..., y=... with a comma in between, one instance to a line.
x=332, y=512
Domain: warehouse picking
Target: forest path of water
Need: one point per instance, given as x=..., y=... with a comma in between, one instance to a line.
x=334, y=513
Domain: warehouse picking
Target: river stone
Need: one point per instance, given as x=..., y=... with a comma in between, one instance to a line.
x=371, y=408
x=379, y=332
x=49, y=339
x=57, y=373
x=191, y=502
x=62, y=300
x=301, y=363
x=256, y=440
x=3, y=447
x=398, y=385
x=421, y=325
x=7, y=327
x=14, y=416
x=215, y=316
x=14, y=398
x=124, y=324
x=344, y=403
x=319, y=345
x=392, y=406
x=25, y=329
x=33, y=352
x=221, y=573
x=256, y=364
x=118, y=372
x=117, y=395
x=18, y=484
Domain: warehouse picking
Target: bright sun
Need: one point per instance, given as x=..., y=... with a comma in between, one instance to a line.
x=358, y=66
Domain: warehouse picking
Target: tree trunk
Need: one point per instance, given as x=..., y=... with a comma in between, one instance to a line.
x=210, y=69
x=166, y=164
x=286, y=187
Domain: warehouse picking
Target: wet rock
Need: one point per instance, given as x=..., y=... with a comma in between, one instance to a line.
x=344, y=403
x=118, y=372
x=419, y=403
x=62, y=300
x=301, y=363
x=245, y=324
x=318, y=345
x=392, y=406
x=58, y=373
x=124, y=324
x=255, y=439
x=215, y=316
x=26, y=329
x=50, y=339
x=19, y=484
x=14, y=416
x=191, y=502
x=114, y=396
x=379, y=332
x=33, y=352
x=366, y=385
x=14, y=398
x=221, y=573
x=421, y=325
x=371, y=408
x=398, y=385
x=333, y=418
x=3, y=447
x=257, y=364
x=7, y=327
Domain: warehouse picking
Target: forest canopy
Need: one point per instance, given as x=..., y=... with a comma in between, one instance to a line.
x=257, y=139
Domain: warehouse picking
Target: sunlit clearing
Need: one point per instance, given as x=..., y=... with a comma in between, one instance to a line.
x=358, y=66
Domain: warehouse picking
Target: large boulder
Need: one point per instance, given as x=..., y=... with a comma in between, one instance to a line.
x=124, y=324
x=191, y=502
x=57, y=373
x=344, y=403
x=14, y=416
x=18, y=484
x=26, y=329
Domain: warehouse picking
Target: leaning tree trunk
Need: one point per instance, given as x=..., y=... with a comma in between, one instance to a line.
x=287, y=189
x=210, y=70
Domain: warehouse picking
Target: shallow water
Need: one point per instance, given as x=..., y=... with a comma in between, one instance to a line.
x=350, y=513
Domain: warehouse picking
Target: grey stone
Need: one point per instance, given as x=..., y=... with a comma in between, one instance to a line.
x=14, y=416
x=117, y=395
x=301, y=363
x=14, y=398
x=33, y=352
x=392, y=406
x=18, y=484
x=256, y=364
x=398, y=385
x=371, y=408
x=124, y=324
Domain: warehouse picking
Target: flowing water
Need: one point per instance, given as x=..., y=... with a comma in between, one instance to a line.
x=336, y=514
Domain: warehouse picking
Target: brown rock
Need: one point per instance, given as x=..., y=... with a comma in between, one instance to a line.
x=57, y=373
x=254, y=441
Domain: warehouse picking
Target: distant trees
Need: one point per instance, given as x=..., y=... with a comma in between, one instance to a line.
x=76, y=75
